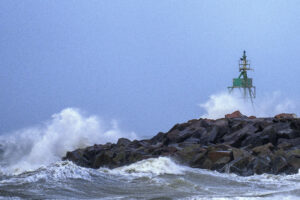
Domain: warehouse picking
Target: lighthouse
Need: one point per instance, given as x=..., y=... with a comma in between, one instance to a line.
x=243, y=82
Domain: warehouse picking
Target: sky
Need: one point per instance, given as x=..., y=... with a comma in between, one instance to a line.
x=146, y=64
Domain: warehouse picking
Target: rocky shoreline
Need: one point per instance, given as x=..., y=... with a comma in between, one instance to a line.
x=234, y=144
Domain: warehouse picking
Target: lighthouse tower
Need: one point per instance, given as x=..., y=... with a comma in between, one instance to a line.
x=243, y=82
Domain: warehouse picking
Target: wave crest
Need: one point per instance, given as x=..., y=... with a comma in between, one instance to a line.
x=149, y=167
x=31, y=148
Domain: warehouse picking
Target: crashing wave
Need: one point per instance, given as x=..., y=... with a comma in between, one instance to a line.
x=149, y=167
x=31, y=148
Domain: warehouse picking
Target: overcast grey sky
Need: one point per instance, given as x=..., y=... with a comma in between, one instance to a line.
x=145, y=63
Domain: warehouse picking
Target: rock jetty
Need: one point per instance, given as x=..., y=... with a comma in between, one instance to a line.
x=234, y=144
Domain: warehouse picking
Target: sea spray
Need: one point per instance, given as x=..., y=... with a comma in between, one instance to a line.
x=31, y=148
x=268, y=105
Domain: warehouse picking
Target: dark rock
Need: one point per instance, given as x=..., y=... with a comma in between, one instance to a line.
x=289, y=142
x=240, y=166
x=295, y=124
x=236, y=139
x=269, y=135
x=288, y=133
x=188, y=153
x=198, y=159
x=263, y=150
x=158, y=138
x=280, y=165
x=198, y=132
x=78, y=157
x=104, y=158
x=240, y=153
x=294, y=161
x=261, y=165
x=223, y=156
x=123, y=142
x=235, y=144
x=135, y=144
x=213, y=134
x=189, y=141
x=254, y=140
x=236, y=125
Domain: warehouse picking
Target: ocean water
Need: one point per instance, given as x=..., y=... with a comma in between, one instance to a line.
x=159, y=178
x=31, y=168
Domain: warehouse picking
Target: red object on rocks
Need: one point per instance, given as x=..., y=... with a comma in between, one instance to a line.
x=235, y=114
x=286, y=116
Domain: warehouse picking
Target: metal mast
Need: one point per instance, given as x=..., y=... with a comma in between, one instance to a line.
x=243, y=82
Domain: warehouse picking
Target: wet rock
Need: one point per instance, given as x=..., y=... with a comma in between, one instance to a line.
x=158, y=138
x=103, y=159
x=295, y=124
x=280, y=165
x=294, y=161
x=190, y=140
x=177, y=136
x=136, y=144
x=212, y=135
x=198, y=158
x=269, y=135
x=236, y=138
x=263, y=150
x=240, y=153
x=289, y=143
x=240, y=166
x=198, y=132
x=288, y=133
x=123, y=142
x=78, y=157
x=219, y=159
x=253, y=140
x=261, y=165
x=188, y=153
x=235, y=144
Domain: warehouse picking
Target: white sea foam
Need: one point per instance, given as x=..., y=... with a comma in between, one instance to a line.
x=54, y=172
x=32, y=148
x=165, y=165
x=184, y=179
x=149, y=167
x=279, y=179
x=279, y=197
x=267, y=106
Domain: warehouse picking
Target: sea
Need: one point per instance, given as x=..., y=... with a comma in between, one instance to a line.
x=31, y=168
x=159, y=178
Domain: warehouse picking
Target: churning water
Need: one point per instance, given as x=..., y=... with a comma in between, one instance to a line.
x=159, y=178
